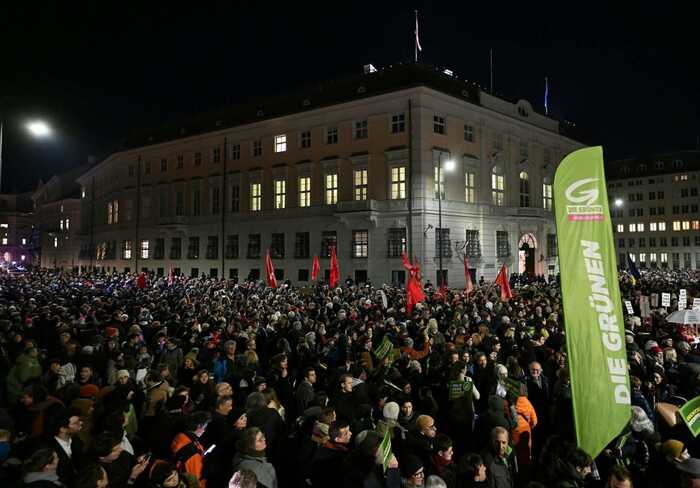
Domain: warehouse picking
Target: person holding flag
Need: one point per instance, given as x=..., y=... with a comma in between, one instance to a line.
x=634, y=273
x=414, y=287
x=502, y=281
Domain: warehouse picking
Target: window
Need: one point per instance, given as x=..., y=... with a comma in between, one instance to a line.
x=662, y=226
x=652, y=195
x=396, y=242
x=126, y=250
x=676, y=209
x=468, y=133
x=684, y=209
x=660, y=195
x=131, y=170
x=216, y=155
x=685, y=225
x=652, y=211
x=695, y=225
x=163, y=165
x=110, y=213
x=439, y=124
x=231, y=247
x=60, y=224
x=331, y=189
x=640, y=227
x=694, y=192
x=144, y=249
x=497, y=189
x=277, y=245
x=255, y=197
x=686, y=260
x=328, y=239
x=663, y=242
x=676, y=225
x=524, y=149
x=215, y=200
x=236, y=152
x=180, y=161
x=697, y=240
x=620, y=227
x=193, y=248
x=684, y=192
x=443, y=246
x=498, y=142
x=652, y=226
x=332, y=135
x=502, y=244
x=301, y=245
x=552, y=249
x=147, y=168
x=159, y=249
x=24, y=241
x=661, y=210
x=194, y=273
x=642, y=242
x=212, y=247
x=115, y=212
x=179, y=203
x=630, y=242
x=253, y=246
x=55, y=241
x=472, y=245
x=360, y=129
x=398, y=123
x=469, y=187
x=524, y=189
x=196, y=204
x=235, y=199
x=547, y=156
x=305, y=141
x=398, y=183
x=632, y=227
x=176, y=248
x=360, y=243
x=686, y=241
x=547, y=196
x=652, y=242
x=281, y=143
x=676, y=260
x=257, y=148
x=303, y=275
x=305, y=191
x=621, y=242
x=439, y=185
x=83, y=192
x=694, y=208
x=360, y=184
x=280, y=194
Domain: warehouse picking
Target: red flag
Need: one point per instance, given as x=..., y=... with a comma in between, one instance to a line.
x=171, y=276
x=270, y=271
x=467, y=276
x=141, y=281
x=335, y=271
x=502, y=281
x=315, y=268
x=414, y=287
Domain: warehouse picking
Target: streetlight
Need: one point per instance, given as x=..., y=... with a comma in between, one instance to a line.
x=37, y=128
x=618, y=202
x=449, y=167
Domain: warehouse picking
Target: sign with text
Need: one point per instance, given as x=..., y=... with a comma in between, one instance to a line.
x=682, y=299
x=644, y=309
x=690, y=411
x=628, y=306
x=665, y=299
x=654, y=300
x=696, y=303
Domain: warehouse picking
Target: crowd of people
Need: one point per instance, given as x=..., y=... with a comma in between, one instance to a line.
x=115, y=381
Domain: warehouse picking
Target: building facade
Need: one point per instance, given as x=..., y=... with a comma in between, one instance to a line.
x=354, y=164
x=16, y=229
x=654, y=205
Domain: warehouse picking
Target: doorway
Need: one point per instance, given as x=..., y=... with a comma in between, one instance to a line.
x=526, y=254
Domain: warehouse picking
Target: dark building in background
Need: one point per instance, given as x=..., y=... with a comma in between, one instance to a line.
x=17, y=241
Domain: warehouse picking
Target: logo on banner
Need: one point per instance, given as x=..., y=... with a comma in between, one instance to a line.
x=585, y=200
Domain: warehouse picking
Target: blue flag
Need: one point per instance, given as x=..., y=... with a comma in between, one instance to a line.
x=633, y=271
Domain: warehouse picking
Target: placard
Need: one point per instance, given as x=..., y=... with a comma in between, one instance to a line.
x=628, y=305
x=654, y=300
x=696, y=303
x=682, y=299
x=644, y=309
x=665, y=299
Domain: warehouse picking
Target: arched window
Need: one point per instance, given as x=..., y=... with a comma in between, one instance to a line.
x=524, y=189
x=497, y=187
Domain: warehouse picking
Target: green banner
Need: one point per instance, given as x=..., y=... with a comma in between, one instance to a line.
x=384, y=348
x=385, y=450
x=690, y=411
x=592, y=306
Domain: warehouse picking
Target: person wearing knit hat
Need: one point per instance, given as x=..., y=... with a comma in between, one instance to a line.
x=412, y=471
x=122, y=376
x=391, y=411
x=674, y=451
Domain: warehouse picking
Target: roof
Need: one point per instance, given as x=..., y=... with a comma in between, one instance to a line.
x=653, y=164
x=384, y=80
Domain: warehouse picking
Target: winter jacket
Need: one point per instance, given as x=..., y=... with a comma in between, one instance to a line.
x=264, y=471
x=189, y=456
x=522, y=433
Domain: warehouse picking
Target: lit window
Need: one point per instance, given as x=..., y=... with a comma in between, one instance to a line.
x=360, y=243
x=652, y=226
x=55, y=241
x=3, y=226
x=23, y=257
x=497, y=189
x=524, y=189
x=662, y=226
x=360, y=183
x=632, y=228
x=640, y=227
x=67, y=224
x=280, y=193
x=281, y=143
x=547, y=196
x=642, y=257
x=24, y=241
x=255, y=197
x=686, y=225
x=332, y=189
x=4, y=241
x=633, y=258
x=144, y=249
x=305, y=191
x=664, y=257
x=441, y=184
x=676, y=225
x=695, y=225
x=469, y=188
x=126, y=249
x=83, y=192
x=110, y=213
x=60, y=224
x=398, y=183
x=620, y=227
x=652, y=257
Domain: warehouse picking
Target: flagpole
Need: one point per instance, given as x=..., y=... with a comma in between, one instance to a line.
x=415, y=40
x=546, y=95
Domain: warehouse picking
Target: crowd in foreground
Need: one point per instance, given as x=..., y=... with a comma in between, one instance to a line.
x=114, y=381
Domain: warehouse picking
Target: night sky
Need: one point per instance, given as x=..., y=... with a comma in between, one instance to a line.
x=628, y=80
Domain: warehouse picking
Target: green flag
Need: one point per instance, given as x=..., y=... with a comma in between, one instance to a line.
x=385, y=450
x=592, y=307
x=690, y=411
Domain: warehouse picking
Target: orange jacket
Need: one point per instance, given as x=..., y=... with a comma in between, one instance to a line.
x=527, y=420
x=189, y=456
x=415, y=354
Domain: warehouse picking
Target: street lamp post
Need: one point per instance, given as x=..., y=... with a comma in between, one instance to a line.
x=449, y=166
x=36, y=128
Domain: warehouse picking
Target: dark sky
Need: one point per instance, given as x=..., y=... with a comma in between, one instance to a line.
x=627, y=79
